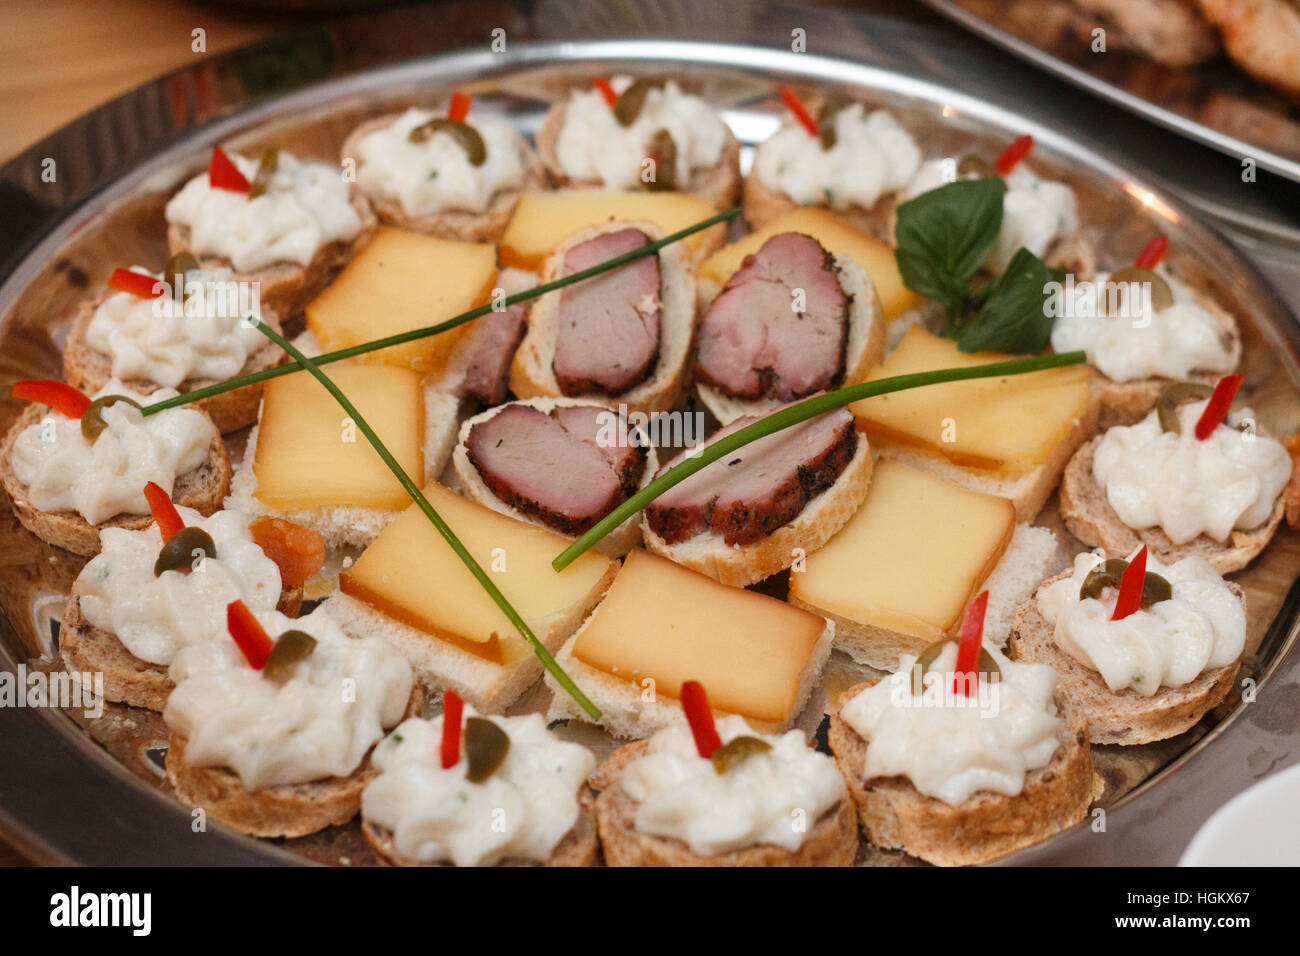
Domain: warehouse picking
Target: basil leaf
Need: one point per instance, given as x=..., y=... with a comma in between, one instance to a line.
x=943, y=236
x=1013, y=318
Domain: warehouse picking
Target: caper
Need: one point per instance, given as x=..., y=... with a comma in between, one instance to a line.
x=265, y=170
x=976, y=167
x=738, y=750
x=290, y=647
x=631, y=101
x=486, y=746
x=663, y=151
x=177, y=268
x=92, y=419
x=178, y=553
x=1162, y=297
x=1174, y=395
x=927, y=657
x=465, y=135
x=1109, y=575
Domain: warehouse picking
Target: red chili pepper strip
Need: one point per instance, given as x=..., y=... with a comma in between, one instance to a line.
x=695, y=702
x=1216, y=410
x=224, y=174
x=164, y=512
x=606, y=90
x=1152, y=253
x=972, y=637
x=1130, y=586
x=800, y=111
x=60, y=396
x=452, y=709
x=255, y=643
x=459, y=107
x=1013, y=154
x=136, y=283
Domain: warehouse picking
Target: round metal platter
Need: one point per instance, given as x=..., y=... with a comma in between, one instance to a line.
x=92, y=790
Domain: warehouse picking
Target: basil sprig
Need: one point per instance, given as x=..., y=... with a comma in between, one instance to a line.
x=943, y=238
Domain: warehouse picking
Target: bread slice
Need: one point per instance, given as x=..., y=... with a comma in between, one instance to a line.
x=353, y=526
x=626, y=715
x=440, y=665
x=831, y=841
x=1126, y=717
x=1291, y=496
x=762, y=205
x=86, y=648
x=531, y=372
x=615, y=544
x=89, y=370
x=202, y=489
x=462, y=224
x=1032, y=555
x=743, y=564
x=717, y=184
x=578, y=848
x=863, y=348
x=1093, y=521
x=285, y=287
x=290, y=810
x=895, y=815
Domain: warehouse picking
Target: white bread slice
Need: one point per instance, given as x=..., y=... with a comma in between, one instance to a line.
x=1126, y=718
x=531, y=374
x=895, y=815
x=439, y=665
x=863, y=349
x=1092, y=520
x=353, y=525
x=624, y=714
x=743, y=564
x=471, y=484
x=1031, y=555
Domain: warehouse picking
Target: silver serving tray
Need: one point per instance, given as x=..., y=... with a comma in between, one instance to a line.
x=93, y=794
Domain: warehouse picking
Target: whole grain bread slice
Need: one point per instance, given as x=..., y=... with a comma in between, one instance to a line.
x=1126, y=717
x=1093, y=521
x=895, y=815
x=832, y=839
x=202, y=489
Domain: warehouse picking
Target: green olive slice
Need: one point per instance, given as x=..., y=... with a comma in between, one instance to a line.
x=931, y=654
x=631, y=101
x=265, y=170
x=290, y=647
x=178, y=553
x=178, y=267
x=1174, y=395
x=1162, y=296
x=663, y=151
x=466, y=136
x=1109, y=575
x=826, y=114
x=92, y=419
x=738, y=750
x=1155, y=589
x=977, y=167
x=486, y=746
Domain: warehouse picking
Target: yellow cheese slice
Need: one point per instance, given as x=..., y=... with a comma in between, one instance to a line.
x=402, y=281
x=543, y=220
x=661, y=621
x=837, y=237
x=411, y=574
x=310, y=454
x=911, y=557
x=1009, y=424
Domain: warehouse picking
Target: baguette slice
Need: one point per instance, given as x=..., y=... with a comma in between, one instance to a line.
x=863, y=348
x=762, y=205
x=290, y=810
x=462, y=224
x=895, y=815
x=202, y=489
x=87, y=369
x=1093, y=521
x=832, y=840
x=615, y=544
x=717, y=184
x=531, y=372
x=1124, y=718
x=285, y=287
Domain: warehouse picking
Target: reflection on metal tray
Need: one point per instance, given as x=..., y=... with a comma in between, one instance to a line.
x=92, y=791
